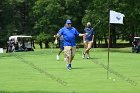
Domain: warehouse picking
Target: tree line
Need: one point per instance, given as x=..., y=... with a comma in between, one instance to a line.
x=43, y=18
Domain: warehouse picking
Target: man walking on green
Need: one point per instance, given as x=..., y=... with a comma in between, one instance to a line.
x=69, y=34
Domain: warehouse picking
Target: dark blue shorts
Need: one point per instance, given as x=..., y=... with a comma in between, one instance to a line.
x=88, y=41
x=61, y=45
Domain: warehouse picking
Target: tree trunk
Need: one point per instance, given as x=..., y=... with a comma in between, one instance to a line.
x=114, y=37
x=99, y=44
x=40, y=44
x=106, y=43
x=46, y=44
x=95, y=45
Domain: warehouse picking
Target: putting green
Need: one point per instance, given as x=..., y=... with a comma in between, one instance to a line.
x=40, y=72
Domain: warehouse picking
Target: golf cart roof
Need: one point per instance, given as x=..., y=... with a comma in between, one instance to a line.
x=18, y=36
x=136, y=37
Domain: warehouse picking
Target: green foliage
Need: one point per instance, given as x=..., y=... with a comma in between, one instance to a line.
x=47, y=15
x=32, y=17
x=41, y=37
x=52, y=45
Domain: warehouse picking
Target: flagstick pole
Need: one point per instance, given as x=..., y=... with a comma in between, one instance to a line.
x=108, y=49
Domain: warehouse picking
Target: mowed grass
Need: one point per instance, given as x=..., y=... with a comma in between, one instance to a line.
x=40, y=72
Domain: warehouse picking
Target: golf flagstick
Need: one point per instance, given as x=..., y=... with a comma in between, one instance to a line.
x=108, y=48
x=108, y=53
x=113, y=20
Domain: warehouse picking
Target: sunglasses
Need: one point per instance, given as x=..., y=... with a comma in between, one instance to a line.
x=69, y=23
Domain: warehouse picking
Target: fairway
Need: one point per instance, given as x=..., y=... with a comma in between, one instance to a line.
x=40, y=72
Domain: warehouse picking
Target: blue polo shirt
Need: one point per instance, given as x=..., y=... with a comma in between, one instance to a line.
x=61, y=38
x=69, y=35
x=90, y=33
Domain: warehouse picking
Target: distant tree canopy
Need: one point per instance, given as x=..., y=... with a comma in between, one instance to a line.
x=43, y=18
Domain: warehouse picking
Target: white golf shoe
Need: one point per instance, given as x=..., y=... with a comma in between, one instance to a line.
x=57, y=57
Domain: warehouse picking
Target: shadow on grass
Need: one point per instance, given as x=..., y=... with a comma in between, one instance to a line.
x=78, y=68
x=92, y=58
x=120, y=50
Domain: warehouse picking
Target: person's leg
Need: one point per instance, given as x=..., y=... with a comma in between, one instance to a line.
x=88, y=54
x=89, y=45
x=85, y=47
x=71, y=57
x=73, y=50
x=67, y=54
x=59, y=52
x=85, y=44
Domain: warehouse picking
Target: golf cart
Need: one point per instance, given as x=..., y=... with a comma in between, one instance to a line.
x=136, y=45
x=19, y=43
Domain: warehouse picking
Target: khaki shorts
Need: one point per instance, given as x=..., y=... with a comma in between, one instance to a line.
x=69, y=50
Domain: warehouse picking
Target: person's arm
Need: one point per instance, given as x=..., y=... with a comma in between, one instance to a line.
x=84, y=39
x=81, y=35
x=57, y=35
x=78, y=34
x=56, y=38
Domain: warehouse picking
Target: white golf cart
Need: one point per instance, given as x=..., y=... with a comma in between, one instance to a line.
x=20, y=43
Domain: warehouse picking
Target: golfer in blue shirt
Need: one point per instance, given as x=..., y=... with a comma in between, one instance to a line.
x=88, y=39
x=69, y=34
x=61, y=44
